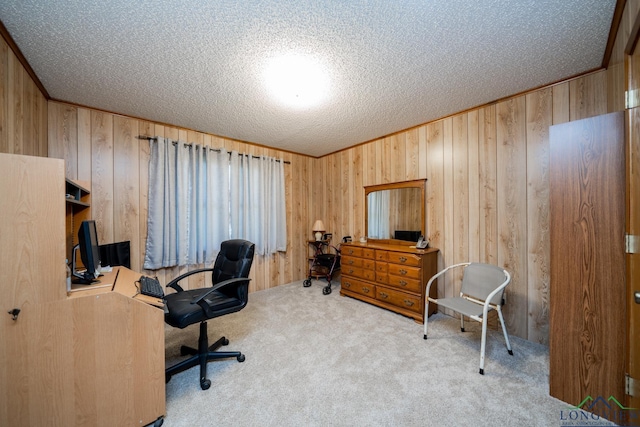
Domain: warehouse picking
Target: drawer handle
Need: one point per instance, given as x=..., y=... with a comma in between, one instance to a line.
x=351, y=252
x=403, y=272
x=403, y=259
x=351, y=271
x=408, y=303
x=347, y=284
x=383, y=295
x=402, y=283
x=366, y=290
x=350, y=262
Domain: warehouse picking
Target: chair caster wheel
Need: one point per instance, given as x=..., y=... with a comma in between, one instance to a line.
x=306, y=283
x=225, y=341
x=241, y=358
x=205, y=384
x=326, y=290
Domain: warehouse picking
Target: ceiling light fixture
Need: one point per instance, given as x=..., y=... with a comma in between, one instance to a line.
x=297, y=81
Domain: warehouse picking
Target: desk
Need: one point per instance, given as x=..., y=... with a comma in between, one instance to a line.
x=91, y=358
x=98, y=358
x=120, y=280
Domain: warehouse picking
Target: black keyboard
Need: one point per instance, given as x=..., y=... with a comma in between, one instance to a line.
x=151, y=287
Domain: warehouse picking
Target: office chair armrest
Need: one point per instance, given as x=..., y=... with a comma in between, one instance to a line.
x=174, y=283
x=201, y=299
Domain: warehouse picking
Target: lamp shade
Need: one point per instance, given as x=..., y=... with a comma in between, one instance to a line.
x=318, y=228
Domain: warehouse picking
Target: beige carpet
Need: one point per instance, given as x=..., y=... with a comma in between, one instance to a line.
x=316, y=360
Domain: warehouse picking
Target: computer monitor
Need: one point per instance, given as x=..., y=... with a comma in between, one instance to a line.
x=89, y=253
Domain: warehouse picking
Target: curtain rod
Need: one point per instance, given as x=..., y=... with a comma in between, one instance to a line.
x=154, y=138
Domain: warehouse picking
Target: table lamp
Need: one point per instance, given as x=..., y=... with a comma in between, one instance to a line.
x=318, y=228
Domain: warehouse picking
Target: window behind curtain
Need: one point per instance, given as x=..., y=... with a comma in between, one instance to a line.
x=199, y=197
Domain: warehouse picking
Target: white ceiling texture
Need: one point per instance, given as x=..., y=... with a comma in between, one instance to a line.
x=378, y=66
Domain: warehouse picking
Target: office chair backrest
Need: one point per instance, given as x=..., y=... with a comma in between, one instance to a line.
x=234, y=260
x=479, y=280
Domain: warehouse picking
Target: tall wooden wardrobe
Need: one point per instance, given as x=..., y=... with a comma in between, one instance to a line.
x=588, y=289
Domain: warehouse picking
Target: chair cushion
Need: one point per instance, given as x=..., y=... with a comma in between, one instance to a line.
x=462, y=305
x=182, y=312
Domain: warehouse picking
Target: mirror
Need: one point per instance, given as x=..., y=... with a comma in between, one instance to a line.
x=395, y=211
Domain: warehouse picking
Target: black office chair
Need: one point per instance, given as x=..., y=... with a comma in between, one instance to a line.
x=229, y=294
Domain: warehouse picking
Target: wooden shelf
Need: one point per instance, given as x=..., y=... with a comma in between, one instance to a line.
x=78, y=209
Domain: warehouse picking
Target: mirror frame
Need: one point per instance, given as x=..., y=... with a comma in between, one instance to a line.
x=421, y=184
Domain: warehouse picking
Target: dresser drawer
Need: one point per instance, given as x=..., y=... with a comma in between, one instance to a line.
x=404, y=271
x=369, y=264
x=363, y=273
x=368, y=253
x=403, y=258
x=382, y=267
x=399, y=299
x=404, y=283
x=362, y=288
x=350, y=250
x=349, y=261
x=381, y=255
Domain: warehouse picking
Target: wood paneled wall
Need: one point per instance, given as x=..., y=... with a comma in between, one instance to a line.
x=487, y=187
x=23, y=108
x=102, y=148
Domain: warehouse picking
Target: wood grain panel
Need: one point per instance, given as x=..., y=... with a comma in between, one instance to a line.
x=633, y=260
x=512, y=208
x=473, y=185
x=102, y=174
x=587, y=298
x=435, y=192
x=4, y=87
x=23, y=108
x=126, y=186
x=84, y=145
x=460, y=196
x=560, y=94
x=539, y=118
x=487, y=182
x=14, y=106
x=63, y=134
x=588, y=96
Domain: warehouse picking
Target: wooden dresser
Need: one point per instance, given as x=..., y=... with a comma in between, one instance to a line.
x=391, y=276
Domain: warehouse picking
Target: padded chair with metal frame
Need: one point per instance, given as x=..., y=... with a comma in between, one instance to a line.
x=228, y=294
x=481, y=291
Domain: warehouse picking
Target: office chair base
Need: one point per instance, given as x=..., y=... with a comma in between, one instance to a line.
x=202, y=356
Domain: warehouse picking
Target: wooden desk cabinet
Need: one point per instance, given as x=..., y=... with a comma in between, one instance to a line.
x=95, y=358
x=390, y=276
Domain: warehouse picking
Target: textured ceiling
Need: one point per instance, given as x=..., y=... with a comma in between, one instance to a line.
x=391, y=64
